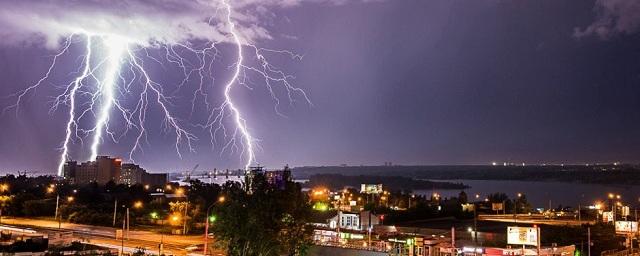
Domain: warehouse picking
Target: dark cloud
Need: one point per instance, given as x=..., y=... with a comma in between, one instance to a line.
x=613, y=17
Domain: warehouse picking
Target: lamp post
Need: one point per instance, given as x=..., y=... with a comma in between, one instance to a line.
x=69, y=200
x=126, y=222
x=209, y=218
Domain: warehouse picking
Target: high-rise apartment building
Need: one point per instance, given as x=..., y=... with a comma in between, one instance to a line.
x=105, y=169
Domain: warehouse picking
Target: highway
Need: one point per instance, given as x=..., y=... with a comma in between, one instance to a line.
x=534, y=219
x=106, y=236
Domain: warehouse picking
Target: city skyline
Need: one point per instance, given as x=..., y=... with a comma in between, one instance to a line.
x=440, y=84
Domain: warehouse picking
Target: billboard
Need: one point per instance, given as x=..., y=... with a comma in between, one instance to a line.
x=522, y=235
x=497, y=206
x=607, y=217
x=626, y=227
x=371, y=188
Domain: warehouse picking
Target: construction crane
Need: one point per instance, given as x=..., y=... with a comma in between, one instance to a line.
x=188, y=174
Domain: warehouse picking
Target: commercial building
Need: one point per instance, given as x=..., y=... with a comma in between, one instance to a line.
x=345, y=220
x=105, y=169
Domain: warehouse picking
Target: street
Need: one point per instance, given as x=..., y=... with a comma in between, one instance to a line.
x=106, y=236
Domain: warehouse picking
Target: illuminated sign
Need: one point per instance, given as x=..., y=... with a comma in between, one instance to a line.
x=522, y=235
x=497, y=206
x=472, y=250
x=625, y=227
x=351, y=236
x=371, y=188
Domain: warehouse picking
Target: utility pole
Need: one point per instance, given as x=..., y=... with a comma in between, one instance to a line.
x=124, y=220
x=588, y=241
x=161, y=245
x=115, y=210
x=128, y=223
x=475, y=224
x=184, y=226
x=538, y=239
x=580, y=214
x=453, y=237
x=338, y=226
x=55, y=216
x=206, y=230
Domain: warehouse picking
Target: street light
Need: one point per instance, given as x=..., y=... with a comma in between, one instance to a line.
x=155, y=216
x=70, y=199
x=210, y=218
x=50, y=189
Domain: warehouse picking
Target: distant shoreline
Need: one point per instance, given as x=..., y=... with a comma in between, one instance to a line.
x=592, y=174
x=338, y=181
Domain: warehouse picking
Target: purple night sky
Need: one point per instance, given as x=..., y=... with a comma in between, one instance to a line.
x=411, y=82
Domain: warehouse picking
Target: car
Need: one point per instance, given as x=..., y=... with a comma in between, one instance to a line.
x=195, y=247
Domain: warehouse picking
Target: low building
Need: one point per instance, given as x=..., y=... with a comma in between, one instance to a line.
x=345, y=220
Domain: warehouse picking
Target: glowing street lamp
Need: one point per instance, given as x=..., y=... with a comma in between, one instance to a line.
x=210, y=218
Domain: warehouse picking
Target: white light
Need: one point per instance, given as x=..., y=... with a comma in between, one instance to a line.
x=115, y=49
x=240, y=123
x=71, y=123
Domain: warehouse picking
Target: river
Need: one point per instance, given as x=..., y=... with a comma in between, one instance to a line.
x=539, y=193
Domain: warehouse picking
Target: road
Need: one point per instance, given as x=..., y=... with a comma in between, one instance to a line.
x=106, y=236
x=534, y=219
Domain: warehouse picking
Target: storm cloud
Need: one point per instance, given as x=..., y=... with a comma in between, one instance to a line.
x=142, y=21
x=613, y=17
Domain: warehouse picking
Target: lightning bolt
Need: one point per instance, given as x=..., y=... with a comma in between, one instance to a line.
x=264, y=69
x=228, y=102
x=71, y=123
x=116, y=48
x=105, y=79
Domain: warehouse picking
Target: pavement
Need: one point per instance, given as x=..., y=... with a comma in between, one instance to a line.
x=106, y=236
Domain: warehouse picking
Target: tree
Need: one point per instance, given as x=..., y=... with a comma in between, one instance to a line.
x=264, y=221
